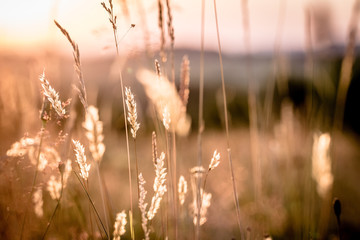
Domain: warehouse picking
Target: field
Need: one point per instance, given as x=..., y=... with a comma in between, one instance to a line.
x=167, y=142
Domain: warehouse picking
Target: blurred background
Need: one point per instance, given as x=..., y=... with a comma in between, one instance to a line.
x=293, y=61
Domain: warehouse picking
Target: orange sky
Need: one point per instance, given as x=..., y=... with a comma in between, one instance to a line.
x=28, y=25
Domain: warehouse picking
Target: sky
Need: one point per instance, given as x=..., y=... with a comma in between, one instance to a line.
x=27, y=26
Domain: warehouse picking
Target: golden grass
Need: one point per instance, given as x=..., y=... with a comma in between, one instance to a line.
x=283, y=179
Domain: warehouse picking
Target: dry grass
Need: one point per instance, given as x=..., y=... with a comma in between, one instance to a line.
x=283, y=172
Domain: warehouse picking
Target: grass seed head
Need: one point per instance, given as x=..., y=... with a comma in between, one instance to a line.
x=81, y=160
x=159, y=187
x=38, y=202
x=94, y=133
x=132, y=114
x=119, y=225
x=182, y=189
x=142, y=206
x=154, y=148
x=215, y=161
x=321, y=163
x=54, y=187
x=52, y=96
x=185, y=81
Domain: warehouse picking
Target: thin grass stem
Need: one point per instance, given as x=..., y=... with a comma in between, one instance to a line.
x=226, y=120
x=113, y=22
x=90, y=215
x=201, y=120
x=170, y=170
x=92, y=204
x=56, y=208
x=137, y=170
x=102, y=197
x=34, y=179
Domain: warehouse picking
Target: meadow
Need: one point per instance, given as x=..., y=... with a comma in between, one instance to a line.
x=179, y=143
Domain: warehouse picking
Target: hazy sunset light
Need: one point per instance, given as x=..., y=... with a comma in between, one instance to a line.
x=179, y=119
x=28, y=24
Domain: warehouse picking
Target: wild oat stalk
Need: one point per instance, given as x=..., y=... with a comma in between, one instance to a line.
x=199, y=210
x=91, y=204
x=82, y=94
x=81, y=160
x=132, y=114
x=173, y=135
x=65, y=170
x=112, y=19
x=172, y=184
x=172, y=39
x=43, y=121
x=132, y=118
x=52, y=96
x=99, y=148
x=34, y=179
x=226, y=121
x=205, y=197
x=94, y=133
x=142, y=206
x=159, y=187
x=56, y=208
x=159, y=190
x=76, y=53
x=84, y=174
x=162, y=31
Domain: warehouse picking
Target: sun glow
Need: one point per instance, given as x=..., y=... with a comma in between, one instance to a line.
x=24, y=22
x=26, y=25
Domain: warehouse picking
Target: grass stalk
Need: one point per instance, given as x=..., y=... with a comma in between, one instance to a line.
x=254, y=142
x=170, y=170
x=90, y=215
x=92, y=205
x=56, y=208
x=200, y=117
x=226, y=120
x=102, y=193
x=173, y=136
x=126, y=135
x=308, y=217
x=34, y=179
x=137, y=169
x=83, y=99
x=112, y=19
x=172, y=40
